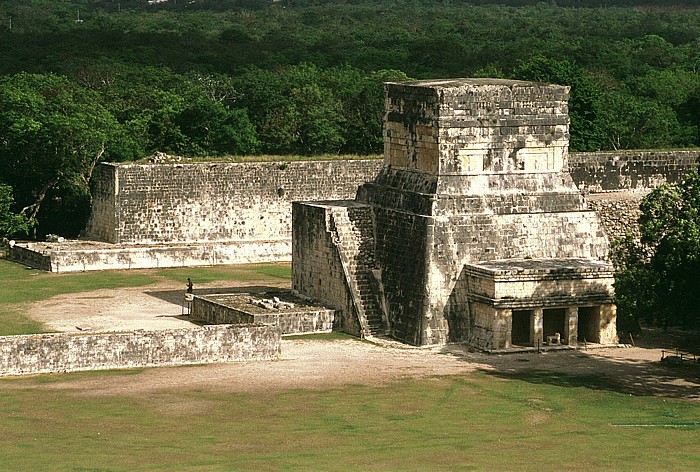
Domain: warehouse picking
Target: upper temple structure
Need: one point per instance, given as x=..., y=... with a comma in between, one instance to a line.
x=473, y=231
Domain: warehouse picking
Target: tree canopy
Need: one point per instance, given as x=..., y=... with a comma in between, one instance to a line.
x=119, y=80
x=659, y=274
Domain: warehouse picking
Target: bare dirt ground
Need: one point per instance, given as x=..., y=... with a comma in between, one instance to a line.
x=313, y=364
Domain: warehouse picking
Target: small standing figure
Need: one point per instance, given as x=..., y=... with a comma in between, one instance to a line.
x=189, y=285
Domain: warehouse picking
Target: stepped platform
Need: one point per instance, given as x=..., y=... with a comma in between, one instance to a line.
x=85, y=255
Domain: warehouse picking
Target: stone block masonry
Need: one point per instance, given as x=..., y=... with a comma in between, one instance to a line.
x=475, y=170
x=298, y=317
x=213, y=202
x=167, y=215
x=630, y=170
x=64, y=352
x=315, y=242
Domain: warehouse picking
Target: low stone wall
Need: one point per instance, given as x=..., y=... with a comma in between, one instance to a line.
x=25, y=254
x=78, y=256
x=208, y=309
x=64, y=352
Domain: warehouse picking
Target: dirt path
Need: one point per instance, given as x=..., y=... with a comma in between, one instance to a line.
x=310, y=364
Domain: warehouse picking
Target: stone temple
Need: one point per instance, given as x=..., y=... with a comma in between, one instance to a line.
x=473, y=231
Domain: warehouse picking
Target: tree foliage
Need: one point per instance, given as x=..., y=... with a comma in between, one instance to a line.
x=658, y=275
x=12, y=223
x=52, y=134
x=221, y=77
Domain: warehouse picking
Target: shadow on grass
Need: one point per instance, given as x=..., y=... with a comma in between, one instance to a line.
x=637, y=371
x=648, y=379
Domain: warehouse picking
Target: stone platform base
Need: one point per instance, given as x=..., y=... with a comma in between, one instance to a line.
x=292, y=314
x=81, y=255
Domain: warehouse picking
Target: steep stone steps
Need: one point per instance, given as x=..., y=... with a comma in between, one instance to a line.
x=355, y=235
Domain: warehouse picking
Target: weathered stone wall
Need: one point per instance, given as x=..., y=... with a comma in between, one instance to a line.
x=104, y=214
x=219, y=202
x=438, y=126
x=524, y=283
x=64, y=352
x=30, y=258
x=403, y=242
x=619, y=211
x=630, y=170
x=208, y=310
x=85, y=256
x=214, y=202
x=317, y=268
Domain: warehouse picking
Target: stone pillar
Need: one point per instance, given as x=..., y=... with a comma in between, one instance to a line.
x=536, y=328
x=571, y=326
x=607, y=327
x=502, y=329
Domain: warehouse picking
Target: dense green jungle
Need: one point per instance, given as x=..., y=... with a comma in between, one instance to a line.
x=84, y=81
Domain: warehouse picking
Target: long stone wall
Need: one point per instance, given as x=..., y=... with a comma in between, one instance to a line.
x=630, y=170
x=78, y=256
x=213, y=202
x=165, y=215
x=224, y=202
x=65, y=352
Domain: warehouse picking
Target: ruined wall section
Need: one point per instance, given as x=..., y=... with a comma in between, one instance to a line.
x=215, y=202
x=618, y=211
x=214, y=309
x=65, y=352
x=402, y=241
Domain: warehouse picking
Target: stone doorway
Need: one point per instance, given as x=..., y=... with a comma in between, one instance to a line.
x=521, y=328
x=589, y=324
x=553, y=322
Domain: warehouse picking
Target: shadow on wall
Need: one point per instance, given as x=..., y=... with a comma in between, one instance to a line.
x=593, y=322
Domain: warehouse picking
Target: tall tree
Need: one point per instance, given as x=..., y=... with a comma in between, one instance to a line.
x=12, y=223
x=52, y=134
x=659, y=275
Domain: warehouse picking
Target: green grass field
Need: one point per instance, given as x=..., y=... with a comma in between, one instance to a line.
x=480, y=421
x=20, y=285
x=474, y=422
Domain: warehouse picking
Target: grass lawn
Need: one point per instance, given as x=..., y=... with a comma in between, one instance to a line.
x=479, y=421
x=20, y=285
x=467, y=422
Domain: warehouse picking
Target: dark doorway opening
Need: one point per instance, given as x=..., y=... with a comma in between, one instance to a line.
x=521, y=334
x=553, y=322
x=589, y=324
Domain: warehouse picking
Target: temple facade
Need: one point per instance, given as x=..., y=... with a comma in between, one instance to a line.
x=473, y=230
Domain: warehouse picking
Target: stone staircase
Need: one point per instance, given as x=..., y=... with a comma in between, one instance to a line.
x=354, y=237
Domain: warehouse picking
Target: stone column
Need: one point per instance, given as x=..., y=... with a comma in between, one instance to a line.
x=536, y=327
x=503, y=329
x=608, y=330
x=571, y=326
